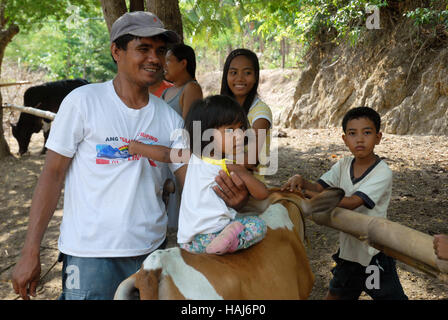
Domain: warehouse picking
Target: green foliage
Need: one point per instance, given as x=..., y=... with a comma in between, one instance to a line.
x=201, y=18
x=309, y=20
x=262, y=24
x=69, y=38
x=75, y=47
x=33, y=13
x=429, y=16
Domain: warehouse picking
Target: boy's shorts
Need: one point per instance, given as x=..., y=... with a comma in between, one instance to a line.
x=350, y=279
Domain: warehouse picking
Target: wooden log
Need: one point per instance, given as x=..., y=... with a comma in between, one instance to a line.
x=410, y=246
x=36, y=112
x=18, y=83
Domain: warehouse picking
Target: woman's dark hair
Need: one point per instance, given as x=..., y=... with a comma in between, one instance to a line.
x=213, y=112
x=182, y=51
x=225, y=89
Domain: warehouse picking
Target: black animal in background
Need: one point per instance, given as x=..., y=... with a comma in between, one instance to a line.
x=48, y=97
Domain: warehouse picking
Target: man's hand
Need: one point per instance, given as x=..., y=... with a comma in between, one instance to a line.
x=231, y=189
x=25, y=276
x=26, y=273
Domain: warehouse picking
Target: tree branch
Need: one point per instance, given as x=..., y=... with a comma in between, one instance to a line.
x=112, y=10
x=7, y=35
x=2, y=14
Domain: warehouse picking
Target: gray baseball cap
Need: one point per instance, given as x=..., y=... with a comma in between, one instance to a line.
x=141, y=24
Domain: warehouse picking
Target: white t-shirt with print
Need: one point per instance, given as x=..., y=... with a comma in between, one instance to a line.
x=201, y=209
x=112, y=201
x=374, y=187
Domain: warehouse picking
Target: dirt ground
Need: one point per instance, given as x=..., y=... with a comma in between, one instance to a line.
x=419, y=200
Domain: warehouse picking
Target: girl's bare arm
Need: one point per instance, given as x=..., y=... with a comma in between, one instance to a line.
x=256, y=188
x=159, y=153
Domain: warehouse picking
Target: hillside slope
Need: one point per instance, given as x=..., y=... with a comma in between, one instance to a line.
x=401, y=74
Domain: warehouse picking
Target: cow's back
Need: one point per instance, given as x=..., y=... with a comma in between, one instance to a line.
x=275, y=268
x=49, y=96
x=46, y=97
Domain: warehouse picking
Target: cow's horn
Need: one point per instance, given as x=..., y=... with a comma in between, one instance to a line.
x=127, y=290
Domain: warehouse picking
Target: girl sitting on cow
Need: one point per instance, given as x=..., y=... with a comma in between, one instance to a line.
x=206, y=224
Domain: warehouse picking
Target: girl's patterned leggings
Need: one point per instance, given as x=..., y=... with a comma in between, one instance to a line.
x=254, y=231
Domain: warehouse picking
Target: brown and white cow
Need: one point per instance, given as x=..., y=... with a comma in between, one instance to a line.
x=275, y=268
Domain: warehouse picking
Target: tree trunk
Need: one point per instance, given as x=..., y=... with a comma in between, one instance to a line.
x=6, y=36
x=229, y=48
x=168, y=11
x=112, y=10
x=137, y=5
x=283, y=51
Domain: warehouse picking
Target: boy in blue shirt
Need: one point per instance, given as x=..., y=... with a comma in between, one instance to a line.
x=367, y=182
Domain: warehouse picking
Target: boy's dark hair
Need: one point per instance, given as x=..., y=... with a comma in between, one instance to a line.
x=213, y=112
x=182, y=51
x=225, y=89
x=362, y=112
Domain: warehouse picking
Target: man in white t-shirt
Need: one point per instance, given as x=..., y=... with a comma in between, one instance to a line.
x=113, y=210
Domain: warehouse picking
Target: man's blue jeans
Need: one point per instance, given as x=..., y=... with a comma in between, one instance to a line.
x=95, y=278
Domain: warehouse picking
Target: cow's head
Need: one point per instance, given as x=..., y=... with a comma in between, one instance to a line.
x=24, y=129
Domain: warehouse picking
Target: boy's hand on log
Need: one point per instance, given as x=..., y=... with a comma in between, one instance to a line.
x=441, y=246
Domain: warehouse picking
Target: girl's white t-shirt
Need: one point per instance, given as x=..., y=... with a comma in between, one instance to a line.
x=202, y=211
x=112, y=200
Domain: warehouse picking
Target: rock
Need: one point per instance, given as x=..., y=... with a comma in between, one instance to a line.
x=279, y=133
x=426, y=110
